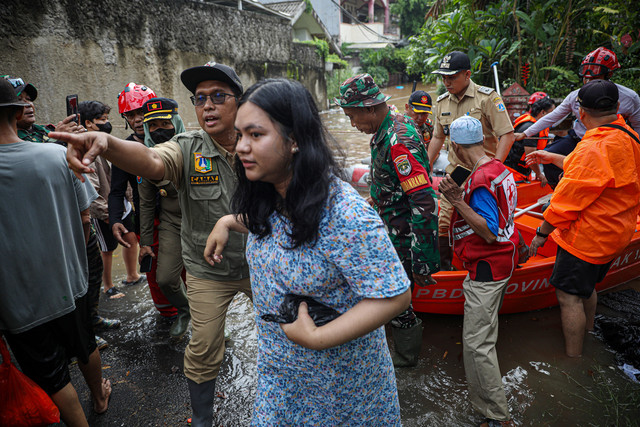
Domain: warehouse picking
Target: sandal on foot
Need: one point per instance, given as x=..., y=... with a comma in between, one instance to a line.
x=113, y=293
x=141, y=279
x=103, y=323
x=101, y=343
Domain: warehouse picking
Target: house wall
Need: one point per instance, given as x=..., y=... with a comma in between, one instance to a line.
x=73, y=46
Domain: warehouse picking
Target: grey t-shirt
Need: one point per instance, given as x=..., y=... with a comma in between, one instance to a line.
x=42, y=248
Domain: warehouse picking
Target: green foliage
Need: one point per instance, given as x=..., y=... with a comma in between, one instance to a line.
x=382, y=62
x=552, y=36
x=334, y=79
x=379, y=73
x=293, y=70
x=322, y=47
x=411, y=15
x=332, y=57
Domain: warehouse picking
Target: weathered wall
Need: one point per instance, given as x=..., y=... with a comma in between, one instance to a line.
x=95, y=48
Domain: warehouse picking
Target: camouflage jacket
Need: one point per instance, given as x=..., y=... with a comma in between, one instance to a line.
x=402, y=193
x=37, y=133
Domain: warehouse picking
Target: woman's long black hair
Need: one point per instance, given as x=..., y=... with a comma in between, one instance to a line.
x=292, y=109
x=543, y=104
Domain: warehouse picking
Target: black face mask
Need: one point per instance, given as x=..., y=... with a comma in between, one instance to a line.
x=162, y=135
x=104, y=127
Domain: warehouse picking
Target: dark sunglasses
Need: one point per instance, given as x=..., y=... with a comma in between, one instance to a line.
x=216, y=98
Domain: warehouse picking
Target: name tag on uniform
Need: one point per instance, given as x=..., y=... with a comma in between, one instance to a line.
x=205, y=179
x=448, y=113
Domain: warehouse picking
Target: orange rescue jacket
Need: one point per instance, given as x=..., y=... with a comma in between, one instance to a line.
x=595, y=205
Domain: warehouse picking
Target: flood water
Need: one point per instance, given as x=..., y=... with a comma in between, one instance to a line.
x=543, y=386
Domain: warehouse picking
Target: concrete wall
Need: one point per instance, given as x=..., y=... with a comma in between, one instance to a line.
x=95, y=48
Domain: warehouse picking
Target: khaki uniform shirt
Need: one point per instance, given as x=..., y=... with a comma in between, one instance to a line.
x=480, y=102
x=161, y=195
x=202, y=172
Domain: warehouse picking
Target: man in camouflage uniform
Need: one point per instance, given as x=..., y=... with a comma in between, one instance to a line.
x=28, y=130
x=402, y=194
x=419, y=109
x=464, y=97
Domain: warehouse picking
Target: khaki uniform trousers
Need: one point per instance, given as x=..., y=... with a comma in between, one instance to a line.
x=479, y=337
x=444, y=217
x=169, y=266
x=208, y=303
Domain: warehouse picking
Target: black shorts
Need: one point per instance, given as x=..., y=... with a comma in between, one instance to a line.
x=44, y=352
x=106, y=241
x=575, y=276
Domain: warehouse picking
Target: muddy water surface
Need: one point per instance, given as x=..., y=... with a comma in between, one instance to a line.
x=543, y=386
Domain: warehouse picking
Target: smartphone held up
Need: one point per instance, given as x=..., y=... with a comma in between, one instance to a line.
x=72, y=107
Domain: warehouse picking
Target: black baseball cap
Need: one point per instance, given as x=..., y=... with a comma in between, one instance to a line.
x=8, y=96
x=191, y=77
x=420, y=101
x=599, y=95
x=159, y=108
x=20, y=86
x=452, y=63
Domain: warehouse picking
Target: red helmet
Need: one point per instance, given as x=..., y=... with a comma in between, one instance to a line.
x=599, y=63
x=537, y=96
x=133, y=97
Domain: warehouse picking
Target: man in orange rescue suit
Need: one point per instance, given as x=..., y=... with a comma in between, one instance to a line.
x=464, y=97
x=593, y=210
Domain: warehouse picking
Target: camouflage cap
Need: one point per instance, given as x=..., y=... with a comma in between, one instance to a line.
x=360, y=91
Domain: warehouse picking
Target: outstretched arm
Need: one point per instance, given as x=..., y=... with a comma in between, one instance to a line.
x=130, y=156
x=504, y=146
x=544, y=157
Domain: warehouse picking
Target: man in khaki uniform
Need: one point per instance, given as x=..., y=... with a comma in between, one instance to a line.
x=464, y=97
x=200, y=165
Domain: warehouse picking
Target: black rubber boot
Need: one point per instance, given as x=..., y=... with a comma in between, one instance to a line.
x=408, y=343
x=446, y=253
x=179, y=300
x=202, y=402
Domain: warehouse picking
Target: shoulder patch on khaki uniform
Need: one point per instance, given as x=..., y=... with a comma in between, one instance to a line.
x=443, y=96
x=486, y=90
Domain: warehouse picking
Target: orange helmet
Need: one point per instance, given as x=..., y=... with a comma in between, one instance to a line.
x=599, y=63
x=536, y=96
x=133, y=97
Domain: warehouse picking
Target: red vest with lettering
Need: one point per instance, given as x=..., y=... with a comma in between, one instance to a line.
x=471, y=248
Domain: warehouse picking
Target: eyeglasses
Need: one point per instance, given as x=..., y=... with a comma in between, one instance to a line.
x=15, y=82
x=216, y=98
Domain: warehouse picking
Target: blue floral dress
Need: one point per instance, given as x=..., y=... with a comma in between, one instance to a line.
x=354, y=383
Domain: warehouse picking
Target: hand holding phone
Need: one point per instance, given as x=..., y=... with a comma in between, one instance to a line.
x=72, y=107
x=460, y=174
x=145, y=264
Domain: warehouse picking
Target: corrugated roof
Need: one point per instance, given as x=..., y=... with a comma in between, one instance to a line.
x=287, y=7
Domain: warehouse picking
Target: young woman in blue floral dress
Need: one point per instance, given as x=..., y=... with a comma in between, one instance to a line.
x=311, y=234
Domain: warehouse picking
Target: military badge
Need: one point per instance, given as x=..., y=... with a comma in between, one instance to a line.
x=202, y=164
x=403, y=165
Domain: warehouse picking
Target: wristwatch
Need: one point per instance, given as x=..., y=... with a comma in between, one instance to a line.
x=541, y=234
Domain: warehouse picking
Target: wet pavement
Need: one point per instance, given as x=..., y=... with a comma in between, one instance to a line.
x=543, y=386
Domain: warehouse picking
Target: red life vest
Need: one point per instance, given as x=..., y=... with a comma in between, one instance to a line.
x=542, y=143
x=471, y=248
